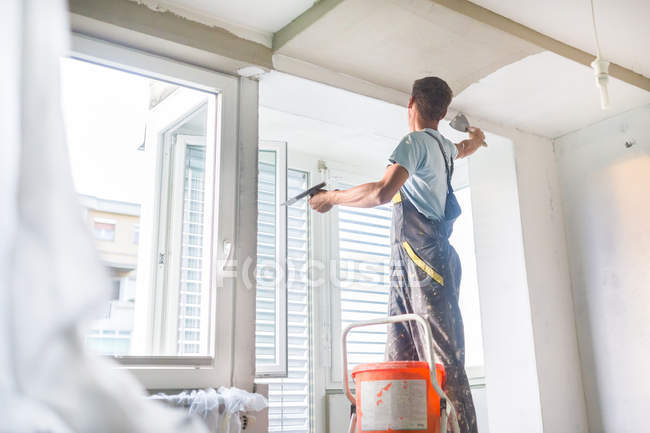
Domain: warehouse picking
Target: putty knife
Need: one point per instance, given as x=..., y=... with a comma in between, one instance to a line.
x=309, y=192
x=460, y=123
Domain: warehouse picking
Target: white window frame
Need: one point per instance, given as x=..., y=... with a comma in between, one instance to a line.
x=171, y=247
x=168, y=372
x=280, y=367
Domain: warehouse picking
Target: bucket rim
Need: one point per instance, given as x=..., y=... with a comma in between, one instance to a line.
x=393, y=365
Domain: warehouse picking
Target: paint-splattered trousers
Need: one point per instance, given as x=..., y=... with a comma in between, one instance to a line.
x=425, y=280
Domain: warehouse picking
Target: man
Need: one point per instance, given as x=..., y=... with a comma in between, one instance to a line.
x=425, y=268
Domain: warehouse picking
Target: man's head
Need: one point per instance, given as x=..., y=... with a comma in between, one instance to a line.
x=430, y=99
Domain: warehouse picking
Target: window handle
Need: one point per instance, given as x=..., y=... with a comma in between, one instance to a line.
x=227, y=249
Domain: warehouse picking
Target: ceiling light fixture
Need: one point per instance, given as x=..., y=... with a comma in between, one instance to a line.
x=600, y=66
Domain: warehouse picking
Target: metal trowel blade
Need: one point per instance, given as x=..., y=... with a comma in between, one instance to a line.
x=459, y=123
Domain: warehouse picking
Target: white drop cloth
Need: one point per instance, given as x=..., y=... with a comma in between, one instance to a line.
x=50, y=275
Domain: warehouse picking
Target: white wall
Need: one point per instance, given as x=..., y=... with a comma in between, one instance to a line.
x=512, y=386
x=549, y=286
x=606, y=191
x=530, y=322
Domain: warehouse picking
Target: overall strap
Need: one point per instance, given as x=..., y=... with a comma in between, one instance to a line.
x=449, y=171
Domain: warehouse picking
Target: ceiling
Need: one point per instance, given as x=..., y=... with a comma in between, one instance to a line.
x=333, y=124
x=392, y=42
x=328, y=122
x=547, y=95
x=622, y=25
x=378, y=47
x=255, y=20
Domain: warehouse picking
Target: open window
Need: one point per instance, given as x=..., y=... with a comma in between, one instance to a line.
x=177, y=249
x=153, y=151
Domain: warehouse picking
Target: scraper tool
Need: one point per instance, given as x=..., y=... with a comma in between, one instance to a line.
x=309, y=192
x=460, y=123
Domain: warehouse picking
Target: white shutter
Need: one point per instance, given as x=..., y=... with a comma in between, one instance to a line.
x=271, y=278
x=189, y=304
x=266, y=261
x=289, y=398
x=364, y=255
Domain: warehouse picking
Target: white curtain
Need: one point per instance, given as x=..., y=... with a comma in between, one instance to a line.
x=50, y=275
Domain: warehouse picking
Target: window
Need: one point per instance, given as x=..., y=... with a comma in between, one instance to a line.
x=364, y=280
x=283, y=238
x=271, y=272
x=289, y=398
x=104, y=229
x=136, y=234
x=463, y=241
x=111, y=166
x=153, y=147
x=115, y=289
x=109, y=341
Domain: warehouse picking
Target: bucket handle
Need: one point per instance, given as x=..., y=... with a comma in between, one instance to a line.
x=431, y=360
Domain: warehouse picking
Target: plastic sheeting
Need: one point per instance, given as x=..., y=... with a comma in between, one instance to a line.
x=219, y=409
x=50, y=275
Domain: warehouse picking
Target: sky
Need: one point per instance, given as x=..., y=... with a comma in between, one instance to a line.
x=105, y=113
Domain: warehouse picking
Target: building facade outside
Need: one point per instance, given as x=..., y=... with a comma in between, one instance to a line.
x=116, y=228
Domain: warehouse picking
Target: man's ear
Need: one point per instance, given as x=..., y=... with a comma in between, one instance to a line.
x=444, y=114
x=411, y=102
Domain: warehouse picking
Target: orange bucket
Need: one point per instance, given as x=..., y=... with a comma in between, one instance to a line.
x=397, y=397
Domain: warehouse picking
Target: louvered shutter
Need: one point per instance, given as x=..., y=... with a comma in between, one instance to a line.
x=364, y=254
x=290, y=397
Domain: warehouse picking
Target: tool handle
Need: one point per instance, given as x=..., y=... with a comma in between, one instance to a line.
x=430, y=354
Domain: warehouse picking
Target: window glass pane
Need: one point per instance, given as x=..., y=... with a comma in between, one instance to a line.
x=139, y=160
x=115, y=289
x=104, y=231
x=463, y=241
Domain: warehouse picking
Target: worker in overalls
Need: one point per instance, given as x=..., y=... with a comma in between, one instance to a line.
x=425, y=268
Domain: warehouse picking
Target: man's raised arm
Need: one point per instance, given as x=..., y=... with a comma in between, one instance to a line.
x=369, y=194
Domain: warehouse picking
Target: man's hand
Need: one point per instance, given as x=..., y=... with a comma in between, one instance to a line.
x=321, y=201
x=476, y=140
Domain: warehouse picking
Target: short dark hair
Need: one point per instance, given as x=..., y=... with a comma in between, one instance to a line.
x=432, y=96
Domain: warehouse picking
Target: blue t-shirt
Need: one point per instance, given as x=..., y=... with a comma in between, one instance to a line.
x=426, y=186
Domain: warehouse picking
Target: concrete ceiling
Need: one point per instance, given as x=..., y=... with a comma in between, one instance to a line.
x=622, y=25
x=378, y=47
x=391, y=42
x=547, y=95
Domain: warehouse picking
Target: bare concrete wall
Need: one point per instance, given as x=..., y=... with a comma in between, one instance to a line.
x=606, y=190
